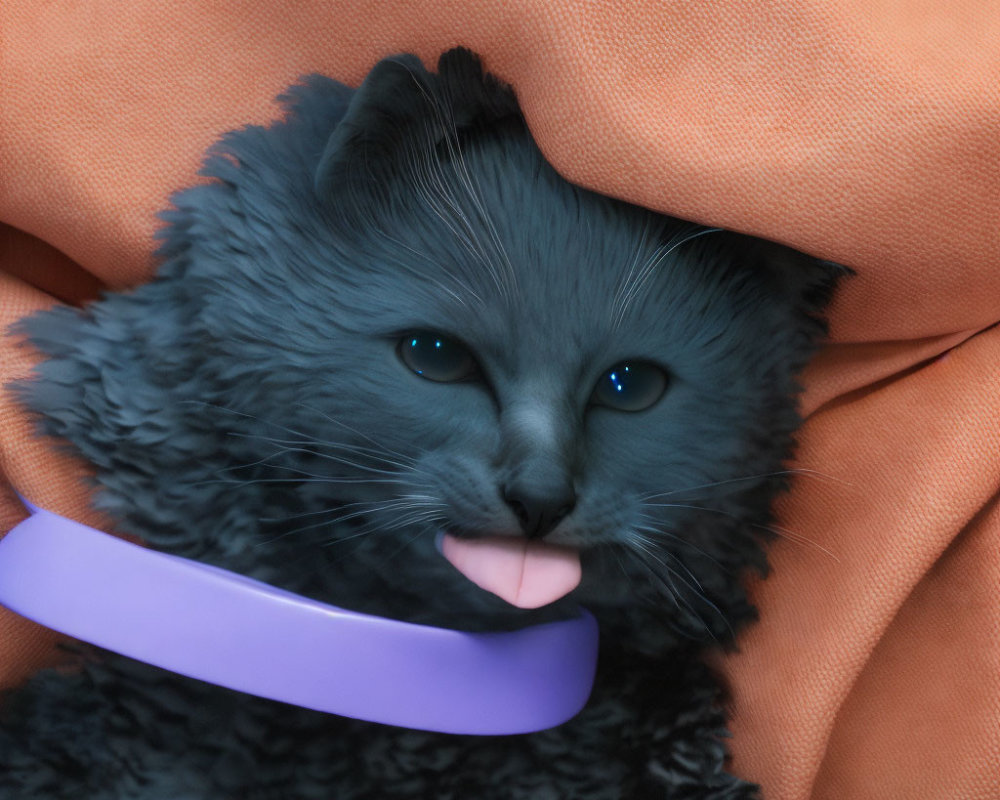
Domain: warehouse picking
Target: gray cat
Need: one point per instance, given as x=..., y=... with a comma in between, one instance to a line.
x=387, y=328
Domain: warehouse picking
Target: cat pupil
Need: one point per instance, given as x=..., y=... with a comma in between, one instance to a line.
x=630, y=386
x=436, y=357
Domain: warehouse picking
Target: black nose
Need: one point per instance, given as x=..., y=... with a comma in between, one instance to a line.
x=539, y=508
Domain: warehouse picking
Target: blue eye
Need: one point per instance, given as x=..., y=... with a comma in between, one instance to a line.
x=630, y=386
x=436, y=357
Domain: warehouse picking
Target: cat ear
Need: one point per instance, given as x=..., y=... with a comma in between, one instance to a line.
x=399, y=106
x=474, y=97
x=391, y=99
x=807, y=281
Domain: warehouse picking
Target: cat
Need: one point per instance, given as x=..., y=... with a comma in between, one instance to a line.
x=387, y=328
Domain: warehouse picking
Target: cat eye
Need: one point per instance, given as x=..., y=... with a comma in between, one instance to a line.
x=630, y=386
x=436, y=357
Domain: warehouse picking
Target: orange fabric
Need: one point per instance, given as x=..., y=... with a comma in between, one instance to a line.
x=865, y=131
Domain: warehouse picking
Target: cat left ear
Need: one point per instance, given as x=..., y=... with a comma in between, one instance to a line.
x=399, y=106
x=391, y=99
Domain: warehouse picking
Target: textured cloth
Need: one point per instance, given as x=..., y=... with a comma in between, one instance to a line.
x=864, y=131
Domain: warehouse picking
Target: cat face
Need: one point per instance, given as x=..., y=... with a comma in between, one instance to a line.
x=390, y=319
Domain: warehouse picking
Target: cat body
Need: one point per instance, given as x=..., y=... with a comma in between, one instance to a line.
x=387, y=320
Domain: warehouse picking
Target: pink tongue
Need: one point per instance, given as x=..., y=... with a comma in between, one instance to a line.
x=525, y=574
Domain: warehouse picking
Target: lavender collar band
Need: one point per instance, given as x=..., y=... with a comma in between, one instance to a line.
x=236, y=632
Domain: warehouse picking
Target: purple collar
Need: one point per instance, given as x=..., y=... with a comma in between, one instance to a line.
x=236, y=632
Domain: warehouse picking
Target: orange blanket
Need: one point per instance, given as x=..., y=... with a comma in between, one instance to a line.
x=864, y=131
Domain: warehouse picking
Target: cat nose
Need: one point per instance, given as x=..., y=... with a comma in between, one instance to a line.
x=539, y=508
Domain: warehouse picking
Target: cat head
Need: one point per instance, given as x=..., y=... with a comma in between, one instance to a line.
x=387, y=317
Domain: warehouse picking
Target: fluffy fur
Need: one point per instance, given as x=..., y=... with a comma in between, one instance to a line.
x=248, y=408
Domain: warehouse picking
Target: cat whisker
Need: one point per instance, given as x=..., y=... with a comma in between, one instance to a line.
x=661, y=532
x=654, y=261
x=265, y=461
x=437, y=205
x=783, y=533
x=425, y=275
x=743, y=479
x=798, y=538
x=712, y=485
x=342, y=506
x=307, y=438
x=642, y=597
x=678, y=505
x=316, y=513
x=470, y=183
x=431, y=529
x=433, y=189
x=413, y=518
x=367, y=508
x=408, y=509
x=243, y=414
x=257, y=463
x=345, y=461
x=617, y=312
x=446, y=121
x=370, y=528
x=333, y=481
x=294, y=446
x=699, y=592
x=344, y=539
x=378, y=445
x=405, y=461
x=643, y=554
x=313, y=526
x=650, y=548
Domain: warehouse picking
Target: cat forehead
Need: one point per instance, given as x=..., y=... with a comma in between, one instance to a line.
x=563, y=311
x=497, y=234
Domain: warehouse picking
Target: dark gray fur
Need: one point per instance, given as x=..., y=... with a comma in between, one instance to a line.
x=238, y=404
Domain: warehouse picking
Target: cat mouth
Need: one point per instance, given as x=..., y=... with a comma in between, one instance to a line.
x=524, y=572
